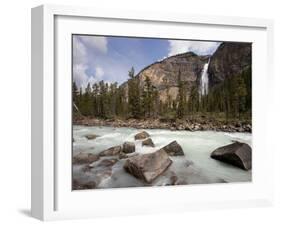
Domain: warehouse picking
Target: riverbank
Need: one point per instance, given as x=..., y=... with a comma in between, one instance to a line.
x=199, y=124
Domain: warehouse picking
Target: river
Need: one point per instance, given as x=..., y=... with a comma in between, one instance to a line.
x=196, y=167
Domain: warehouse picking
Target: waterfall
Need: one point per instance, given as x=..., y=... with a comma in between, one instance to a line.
x=204, y=80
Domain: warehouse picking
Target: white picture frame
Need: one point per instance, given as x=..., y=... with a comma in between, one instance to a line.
x=52, y=197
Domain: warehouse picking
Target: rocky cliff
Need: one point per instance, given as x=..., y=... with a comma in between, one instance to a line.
x=230, y=59
x=164, y=74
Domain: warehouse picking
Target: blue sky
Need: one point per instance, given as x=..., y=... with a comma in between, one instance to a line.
x=98, y=58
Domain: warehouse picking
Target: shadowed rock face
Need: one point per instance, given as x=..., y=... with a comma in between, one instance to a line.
x=173, y=149
x=128, y=147
x=148, y=167
x=230, y=59
x=148, y=142
x=237, y=154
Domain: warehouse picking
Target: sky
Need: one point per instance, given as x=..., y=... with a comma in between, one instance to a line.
x=97, y=58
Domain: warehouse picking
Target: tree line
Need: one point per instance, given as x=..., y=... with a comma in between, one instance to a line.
x=232, y=97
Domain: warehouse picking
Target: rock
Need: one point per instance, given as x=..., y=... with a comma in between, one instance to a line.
x=91, y=136
x=111, y=151
x=237, y=154
x=107, y=162
x=122, y=155
x=85, y=158
x=148, y=142
x=76, y=185
x=129, y=147
x=141, y=136
x=148, y=167
x=173, y=149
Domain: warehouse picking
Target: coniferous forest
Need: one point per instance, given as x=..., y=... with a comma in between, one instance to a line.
x=230, y=99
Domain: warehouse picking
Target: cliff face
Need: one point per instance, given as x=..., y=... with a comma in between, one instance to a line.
x=230, y=59
x=164, y=74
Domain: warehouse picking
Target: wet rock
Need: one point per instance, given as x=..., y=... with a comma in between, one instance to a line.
x=107, y=162
x=111, y=151
x=142, y=135
x=173, y=149
x=237, y=154
x=76, y=185
x=122, y=155
x=91, y=136
x=85, y=158
x=128, y=147
x=148, y=167
x=148, y=142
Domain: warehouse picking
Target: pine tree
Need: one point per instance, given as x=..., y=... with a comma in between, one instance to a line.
x=133, y=95
x=147, y=98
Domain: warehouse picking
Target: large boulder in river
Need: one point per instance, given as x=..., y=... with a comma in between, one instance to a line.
x=237, y=154
x=148, y=167
x=173, y=149
x=111, y=151
x=85, y=158
x=128, y=147
x=141, y=136
x=148, y=142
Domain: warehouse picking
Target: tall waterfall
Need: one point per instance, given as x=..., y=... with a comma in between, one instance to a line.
x=204, y=80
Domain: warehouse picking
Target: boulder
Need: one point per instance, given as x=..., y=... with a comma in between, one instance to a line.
x=85, y=158
x=141, y=136
x=91, y=136
x=237, y=154
x=128, y=147
x=111, y=151
x=148, y=142
x=148, y=167
x=173, y=149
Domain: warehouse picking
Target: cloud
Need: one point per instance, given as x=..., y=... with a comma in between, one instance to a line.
x=79, y=51
x=99, y=73
x=198, y=47
x=95, y=42
x=81, y=60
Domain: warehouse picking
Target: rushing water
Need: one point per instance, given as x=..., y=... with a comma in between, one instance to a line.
x=193, y=168
x=204, y=81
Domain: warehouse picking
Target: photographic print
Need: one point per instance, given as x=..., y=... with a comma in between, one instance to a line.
x=160, y=112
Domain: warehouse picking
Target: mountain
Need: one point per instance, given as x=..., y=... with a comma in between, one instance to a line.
x=229, y=59
x=164, y=74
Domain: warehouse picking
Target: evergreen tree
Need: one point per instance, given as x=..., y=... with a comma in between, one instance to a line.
x=133, y=95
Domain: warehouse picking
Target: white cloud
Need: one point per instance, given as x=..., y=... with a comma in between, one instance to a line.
x=198, y=47
x=79, y=51
x=97, y=43
x=80, y=64
x=99, y=73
